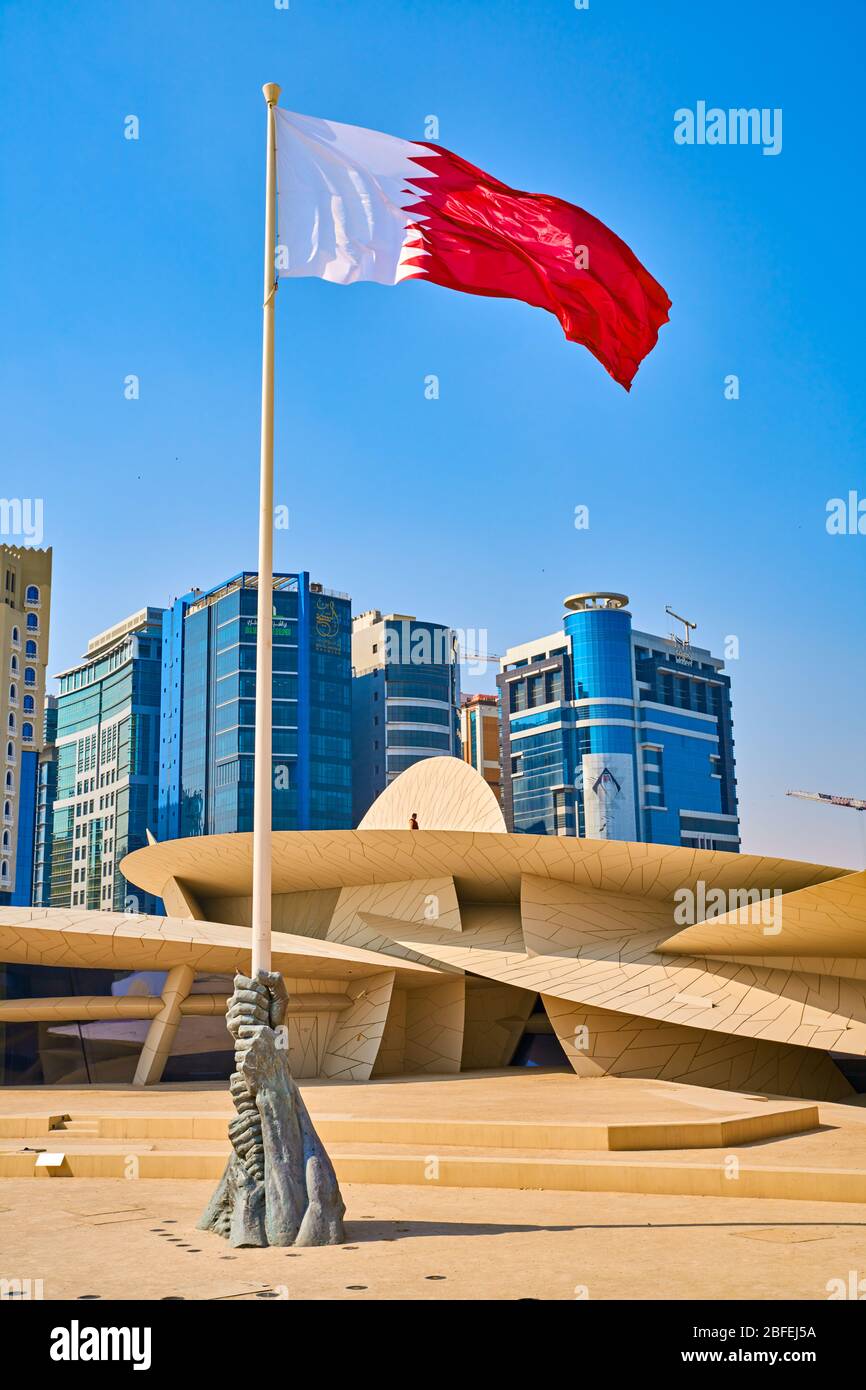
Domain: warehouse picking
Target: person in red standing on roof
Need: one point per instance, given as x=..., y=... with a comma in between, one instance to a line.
x=413, y=821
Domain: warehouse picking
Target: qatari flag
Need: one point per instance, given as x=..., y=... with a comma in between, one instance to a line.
x=355, y=204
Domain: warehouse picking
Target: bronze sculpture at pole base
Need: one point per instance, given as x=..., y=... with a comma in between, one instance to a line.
x=279, y=1186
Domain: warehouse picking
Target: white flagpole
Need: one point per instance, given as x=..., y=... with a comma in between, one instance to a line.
x=262, y=772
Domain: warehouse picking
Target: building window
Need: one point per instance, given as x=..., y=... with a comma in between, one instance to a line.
x=29, y=704
x=31, y=594
x=31, y=649
x=13, y=692
x=653, y=775
x=553, y=686
x=4, y=872
x=560, y=813
x=16, y=636
x=535, y=691
x=27, y=733
x=517, y=695
x=29, y=675
x=32, y=622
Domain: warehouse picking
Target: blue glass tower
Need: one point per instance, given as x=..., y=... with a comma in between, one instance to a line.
x=207, y=737
x=46, y=794
x=22, y=894
x=610, y=733
x=106, y=775
x=405, y=699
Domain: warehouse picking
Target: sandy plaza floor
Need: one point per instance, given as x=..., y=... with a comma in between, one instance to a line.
x=95, y=1238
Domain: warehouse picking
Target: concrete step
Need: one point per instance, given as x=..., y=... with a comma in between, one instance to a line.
x=495, y=1168
x=774, y=1121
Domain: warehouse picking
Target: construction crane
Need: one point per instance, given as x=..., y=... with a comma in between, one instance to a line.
x=689, y=626
x=479, y=656
x=851, y=801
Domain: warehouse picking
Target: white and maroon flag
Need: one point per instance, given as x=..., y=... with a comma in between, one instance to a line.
x=355, y=204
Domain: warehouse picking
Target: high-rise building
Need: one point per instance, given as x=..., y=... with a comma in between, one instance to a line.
x=46, y=795
x=107, y=765
x=479, y=736
x=611, y=733
x=207, y=739
x=24, y=625
x=405, y=699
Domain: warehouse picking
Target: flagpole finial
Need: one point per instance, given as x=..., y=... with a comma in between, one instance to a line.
x=271, y=92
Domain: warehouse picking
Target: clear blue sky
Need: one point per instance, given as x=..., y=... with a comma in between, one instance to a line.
x=144, y=257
